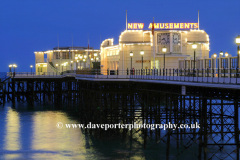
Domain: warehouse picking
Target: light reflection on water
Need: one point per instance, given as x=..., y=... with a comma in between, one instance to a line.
x=32, y=134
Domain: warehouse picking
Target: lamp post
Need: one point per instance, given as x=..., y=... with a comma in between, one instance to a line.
x=10, y=67
x=95, y=55
x=14, y=67
x=238, y=49
x=81, y=57
x=164, y=50
x=131, y=55
x=31, y=66
x=194, y=47
x=71, y=65
x=62, y=67
x=142, y=53
x=214, y=56
x=84, y=60
x=85, y=64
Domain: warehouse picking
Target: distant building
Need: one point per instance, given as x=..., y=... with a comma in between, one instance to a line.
x=62, y=59
x=178, y=45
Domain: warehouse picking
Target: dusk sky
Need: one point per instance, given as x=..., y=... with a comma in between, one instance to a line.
x=34, y=25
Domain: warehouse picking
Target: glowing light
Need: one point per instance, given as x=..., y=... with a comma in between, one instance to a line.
x=142, y=52
x=226, y=54
x=194, y=46
x=238, y=40
x=131, y=54
x=214, y=55
x=164, y=49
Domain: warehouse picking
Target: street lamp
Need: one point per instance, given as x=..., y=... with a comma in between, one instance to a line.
x=215, y=55
x=238, y=49
x=71, y=65
x=31, y=66
x=131, y=55
x=84, y=60
x=10, y=67
x=81, y=57
x=62, y=67
x=14, y=67
x=226, y=54
x=194, y=47
x=95, y=55
x=221, y=53
x=164, y=50
x=142, y=53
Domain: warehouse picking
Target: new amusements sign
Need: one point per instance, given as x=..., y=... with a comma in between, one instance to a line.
x=164, y=26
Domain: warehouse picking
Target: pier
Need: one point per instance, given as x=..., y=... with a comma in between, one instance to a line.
x=213, y=102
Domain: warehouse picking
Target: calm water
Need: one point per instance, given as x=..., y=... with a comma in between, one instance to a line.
x=32, y=134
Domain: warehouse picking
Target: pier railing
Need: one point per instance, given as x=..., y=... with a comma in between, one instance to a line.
x=224, y=76
x=33, y=74
x=209, y=75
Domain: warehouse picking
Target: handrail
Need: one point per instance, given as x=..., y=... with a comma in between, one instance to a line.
x=209, y=75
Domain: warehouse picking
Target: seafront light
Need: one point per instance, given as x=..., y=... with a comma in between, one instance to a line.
x=226, y=54
x=238, y=40
x=10, y=67
x=14, y=67
x=214, y=55
x=164, y=50
x=142, y=53
x=95, y=55
x=221, y=53
x=31, y=66
x=194, y=47
x=238, y=49
x=131, y=55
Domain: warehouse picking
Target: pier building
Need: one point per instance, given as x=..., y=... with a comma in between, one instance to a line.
x=62, y=59
x=163, y=47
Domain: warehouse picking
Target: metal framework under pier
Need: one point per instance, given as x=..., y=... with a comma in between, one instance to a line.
x=113, y=102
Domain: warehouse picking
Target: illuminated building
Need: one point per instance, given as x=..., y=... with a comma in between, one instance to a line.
x=62, y=59
x=176, y=39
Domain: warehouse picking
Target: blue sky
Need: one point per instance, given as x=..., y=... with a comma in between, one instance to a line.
x=34, y=25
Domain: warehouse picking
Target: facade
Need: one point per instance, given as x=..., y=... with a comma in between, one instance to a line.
x=178, y=44
x=62, y=59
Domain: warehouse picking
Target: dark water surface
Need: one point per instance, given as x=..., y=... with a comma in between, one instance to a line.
x=32, y=134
